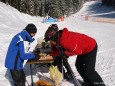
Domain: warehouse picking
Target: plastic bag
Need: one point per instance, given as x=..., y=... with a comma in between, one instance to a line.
x=55, y=74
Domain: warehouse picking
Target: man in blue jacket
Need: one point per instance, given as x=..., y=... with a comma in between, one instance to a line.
x=18, y=51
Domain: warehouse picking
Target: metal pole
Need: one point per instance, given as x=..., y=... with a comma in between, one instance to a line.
x=77, y=83
x=31, y=75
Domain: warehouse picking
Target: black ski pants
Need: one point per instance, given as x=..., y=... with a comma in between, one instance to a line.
x=85, y=65
x=18, y=77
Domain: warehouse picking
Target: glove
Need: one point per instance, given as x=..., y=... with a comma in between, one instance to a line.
x=37, y=56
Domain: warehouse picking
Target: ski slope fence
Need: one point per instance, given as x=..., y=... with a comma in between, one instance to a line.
x=96, y=19
x=105, y=20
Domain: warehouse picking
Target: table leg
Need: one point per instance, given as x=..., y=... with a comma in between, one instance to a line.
x=31, y=75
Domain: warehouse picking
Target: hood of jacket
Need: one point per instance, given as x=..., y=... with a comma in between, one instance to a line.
x=24, y=36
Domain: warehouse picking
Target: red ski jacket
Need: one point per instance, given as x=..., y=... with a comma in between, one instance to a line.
x=76, y=43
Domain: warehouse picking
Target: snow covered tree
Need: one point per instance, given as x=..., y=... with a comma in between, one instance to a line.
x=75, y=5
x=46, y=7
x=30, y=7
x=42, y=8
x=23, y=6
x=37, y=5
x=62, y=6
x=3, y=1
x=18, y=4
x=54, y=9
x=81, y=2
x=69, y=7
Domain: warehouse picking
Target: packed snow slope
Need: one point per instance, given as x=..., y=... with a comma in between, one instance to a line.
x=98, y=10
x=12, y=22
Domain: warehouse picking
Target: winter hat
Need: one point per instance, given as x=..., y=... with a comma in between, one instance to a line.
x=51, y=32
x=31, y=28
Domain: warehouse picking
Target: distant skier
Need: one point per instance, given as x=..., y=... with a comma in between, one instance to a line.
x=18, y=51
x=83, y=46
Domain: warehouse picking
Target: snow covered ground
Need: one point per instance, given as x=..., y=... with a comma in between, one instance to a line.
x=12, y=22
x=96, y=9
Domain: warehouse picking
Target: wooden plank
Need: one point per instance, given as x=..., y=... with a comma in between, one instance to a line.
x=46, y=59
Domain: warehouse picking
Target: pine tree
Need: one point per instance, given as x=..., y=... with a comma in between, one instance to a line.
x=37, y=5
x=75, y=5
x=80, y=4
x=62, y=6
x=69, y=7
x=23, y=6
x=42, y=10
x=31, y=7
x=54, y=9
x=46, y=7
x=4, y=1
x=18, y=4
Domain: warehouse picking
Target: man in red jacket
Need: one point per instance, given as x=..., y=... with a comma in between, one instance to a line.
x=81, y=45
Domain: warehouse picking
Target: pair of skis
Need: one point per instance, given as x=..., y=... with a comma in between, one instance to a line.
x=64, y=59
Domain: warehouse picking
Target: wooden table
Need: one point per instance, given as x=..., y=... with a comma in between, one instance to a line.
x=43, y=59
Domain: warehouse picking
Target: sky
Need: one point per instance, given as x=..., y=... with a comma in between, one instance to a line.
x=12, y=22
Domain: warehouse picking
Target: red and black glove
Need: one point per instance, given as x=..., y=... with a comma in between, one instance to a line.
x=55, y=51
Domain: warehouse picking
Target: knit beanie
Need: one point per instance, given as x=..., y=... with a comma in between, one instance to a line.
x=31, y=28
x=51, y=32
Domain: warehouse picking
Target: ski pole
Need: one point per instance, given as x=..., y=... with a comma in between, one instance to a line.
x=68, y=66
x=71, y=72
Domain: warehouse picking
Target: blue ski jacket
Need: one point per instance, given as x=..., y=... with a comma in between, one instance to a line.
x=18, y=52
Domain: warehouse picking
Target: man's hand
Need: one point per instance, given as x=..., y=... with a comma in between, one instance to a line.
x=37, y=56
